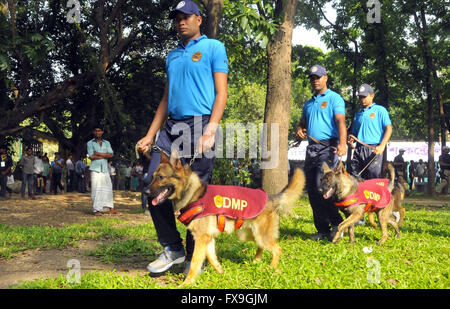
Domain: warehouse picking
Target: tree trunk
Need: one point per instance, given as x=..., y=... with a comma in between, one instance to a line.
x=427, y=55
x=214, y=14
x=278, y=99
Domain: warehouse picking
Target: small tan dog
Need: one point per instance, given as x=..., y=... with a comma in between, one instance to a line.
x=345, y=188
x=179, y=183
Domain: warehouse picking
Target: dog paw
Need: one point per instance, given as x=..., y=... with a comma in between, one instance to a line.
x=381, y=241
x=187, y=282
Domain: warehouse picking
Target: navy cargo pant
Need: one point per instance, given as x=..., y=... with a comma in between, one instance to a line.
x=177, y=133
x=325, y=213
x=361, y=158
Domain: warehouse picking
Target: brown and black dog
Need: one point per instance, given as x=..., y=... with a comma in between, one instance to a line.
x=179, y=183
x=338, y=184
x=398, y=194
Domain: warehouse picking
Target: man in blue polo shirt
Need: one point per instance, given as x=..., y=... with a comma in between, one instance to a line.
x=373, y=128
x=195, y=96
x=323, y=122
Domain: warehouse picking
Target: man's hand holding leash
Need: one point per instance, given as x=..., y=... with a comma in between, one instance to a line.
x=376, y=150
x=301, y=132
x=143, y=145
x=207, y=140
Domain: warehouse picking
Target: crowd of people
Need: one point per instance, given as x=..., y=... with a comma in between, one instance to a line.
x=34, y=174
x=416, y=173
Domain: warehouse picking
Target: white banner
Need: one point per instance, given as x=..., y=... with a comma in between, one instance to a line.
x=413, y=151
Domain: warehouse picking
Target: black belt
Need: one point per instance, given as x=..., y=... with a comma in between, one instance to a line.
x=326, y=142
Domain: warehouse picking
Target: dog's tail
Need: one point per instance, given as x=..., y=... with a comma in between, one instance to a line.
x=290, y=195
x=391, y=170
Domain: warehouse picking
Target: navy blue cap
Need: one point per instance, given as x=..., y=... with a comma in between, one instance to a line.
x=186, y=7
x=317, y=70
x=364, y=90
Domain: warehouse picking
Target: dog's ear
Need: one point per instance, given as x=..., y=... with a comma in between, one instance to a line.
x=175, y=159
x=340, y=168
x=164, y=158
x=325, y=167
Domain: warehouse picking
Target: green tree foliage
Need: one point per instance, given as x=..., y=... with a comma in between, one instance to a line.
x=72, y=75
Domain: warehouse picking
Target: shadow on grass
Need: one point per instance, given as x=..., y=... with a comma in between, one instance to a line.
x=291, y=232
x=430, y=231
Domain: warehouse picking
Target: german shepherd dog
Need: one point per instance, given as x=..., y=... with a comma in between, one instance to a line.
x=179, y=183
x=398, y=194
x=338, y=184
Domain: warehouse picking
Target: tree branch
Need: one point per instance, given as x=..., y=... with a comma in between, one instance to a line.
x=57, y=95
x=334, y=26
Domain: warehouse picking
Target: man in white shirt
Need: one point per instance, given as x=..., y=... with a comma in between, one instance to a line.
x=70, y=174
x=38, y=169
x=421, y=169
x=128, y=170
x=112, y=174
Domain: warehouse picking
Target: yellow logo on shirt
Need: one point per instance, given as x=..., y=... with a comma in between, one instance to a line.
x=197, y=56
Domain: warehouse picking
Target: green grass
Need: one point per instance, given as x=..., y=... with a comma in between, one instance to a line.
x=417, y=260
x=15, y=239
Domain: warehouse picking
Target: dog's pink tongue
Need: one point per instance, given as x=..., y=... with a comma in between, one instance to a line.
x=158, y=199
x=155, y=201
x=328, y=194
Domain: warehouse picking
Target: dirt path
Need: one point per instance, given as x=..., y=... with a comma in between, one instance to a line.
x=60, y=210
x=429, y=203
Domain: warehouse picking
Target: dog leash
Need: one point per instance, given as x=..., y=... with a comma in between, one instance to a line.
x=155, y=147
x=362, y=143
x=367, y=165
x=297, y=143
x=368, y=146
x=196, y=154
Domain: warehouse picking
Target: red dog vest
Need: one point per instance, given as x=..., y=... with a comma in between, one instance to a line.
x=226, y=201
x=373, y=192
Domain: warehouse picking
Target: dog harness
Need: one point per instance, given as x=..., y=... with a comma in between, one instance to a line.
x=373, y=192
x=234, y=202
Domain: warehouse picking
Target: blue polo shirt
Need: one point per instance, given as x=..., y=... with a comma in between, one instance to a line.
x=100, y=165
x=319, y=114
x=190, y=76
x=370, y=124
